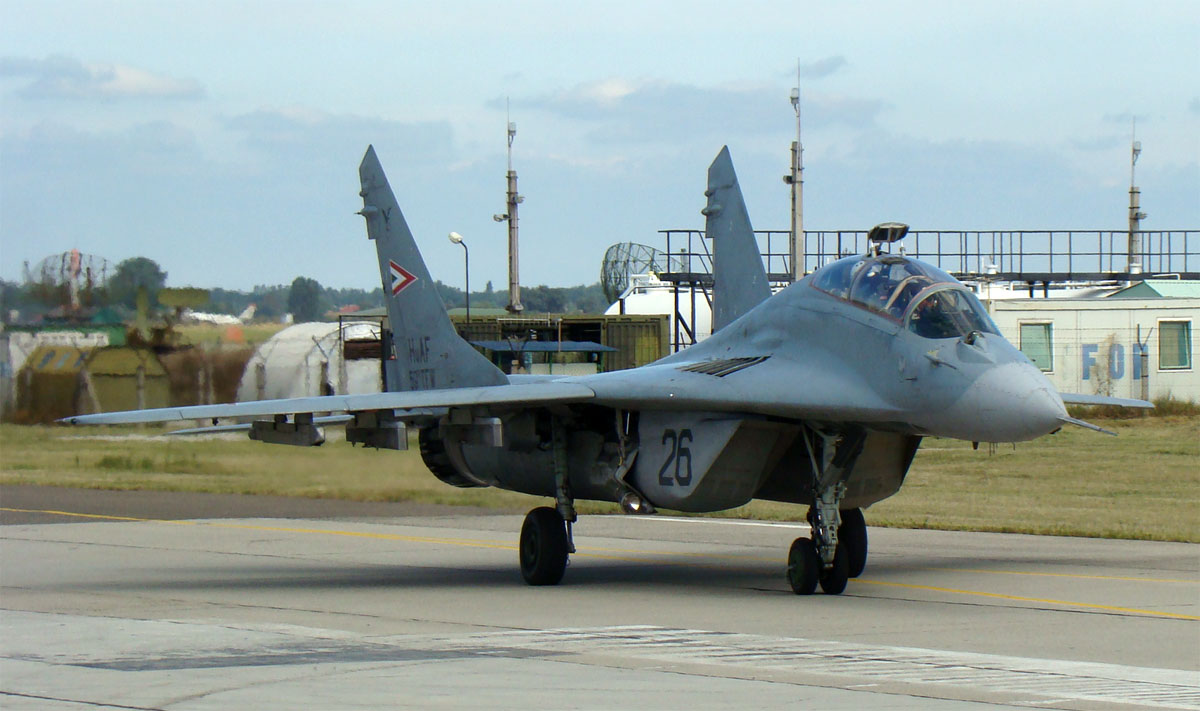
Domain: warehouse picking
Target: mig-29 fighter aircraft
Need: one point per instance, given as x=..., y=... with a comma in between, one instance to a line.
x=818, y=395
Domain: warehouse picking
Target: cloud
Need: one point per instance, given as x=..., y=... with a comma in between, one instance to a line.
x=822, y=67
x=297, y=133
x=63, y=77
x=1125, y=118
x=623, y=110
x=1099, y=143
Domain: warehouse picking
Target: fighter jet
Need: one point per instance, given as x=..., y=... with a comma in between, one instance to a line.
x=818, y=395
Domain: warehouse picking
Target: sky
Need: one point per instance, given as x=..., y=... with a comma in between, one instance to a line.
x=222, y=138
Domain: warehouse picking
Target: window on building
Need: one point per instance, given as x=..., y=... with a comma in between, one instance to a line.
x=1037, y=344
x=1174, y=345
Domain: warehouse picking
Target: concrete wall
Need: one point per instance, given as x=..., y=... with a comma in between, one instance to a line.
x=1095, y=343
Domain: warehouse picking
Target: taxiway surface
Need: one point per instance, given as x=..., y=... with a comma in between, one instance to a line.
x=180, y=601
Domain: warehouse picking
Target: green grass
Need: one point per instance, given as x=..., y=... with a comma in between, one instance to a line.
x=1143, y=484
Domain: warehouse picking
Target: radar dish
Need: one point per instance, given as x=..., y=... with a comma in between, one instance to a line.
x=625, y=259
x=71, y=279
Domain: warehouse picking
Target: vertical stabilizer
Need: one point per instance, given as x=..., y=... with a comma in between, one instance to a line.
x=429, y=354
x=739, y=280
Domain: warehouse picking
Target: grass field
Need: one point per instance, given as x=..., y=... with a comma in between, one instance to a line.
x=1144, y=484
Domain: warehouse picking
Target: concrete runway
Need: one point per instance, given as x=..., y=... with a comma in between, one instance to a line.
x=179, y=601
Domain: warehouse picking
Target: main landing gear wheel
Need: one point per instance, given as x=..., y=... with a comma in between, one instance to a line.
x=833, y=580
x=544, y=547
x=804, y=567
x=853, y=534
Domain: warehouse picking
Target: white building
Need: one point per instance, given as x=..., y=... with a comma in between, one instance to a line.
x=1124, y=347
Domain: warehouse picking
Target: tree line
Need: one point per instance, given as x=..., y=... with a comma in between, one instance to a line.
x=305, y=298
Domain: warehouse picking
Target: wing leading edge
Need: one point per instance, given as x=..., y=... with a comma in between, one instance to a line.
x=1096, y=400
x=414, y=402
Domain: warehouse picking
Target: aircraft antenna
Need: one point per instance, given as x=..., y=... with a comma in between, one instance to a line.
x=1135, y=214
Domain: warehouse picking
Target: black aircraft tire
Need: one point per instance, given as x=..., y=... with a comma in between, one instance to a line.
x=853, y=534
x=543, y=550
x=804, y=568
x=833, y=581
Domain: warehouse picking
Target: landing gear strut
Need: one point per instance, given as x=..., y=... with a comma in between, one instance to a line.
x=837, y=550
x=546, y=535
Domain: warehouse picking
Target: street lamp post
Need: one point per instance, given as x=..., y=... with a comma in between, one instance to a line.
x=456, y=238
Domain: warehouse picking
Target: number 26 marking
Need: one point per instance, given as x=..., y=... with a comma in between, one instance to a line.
x=677, y=454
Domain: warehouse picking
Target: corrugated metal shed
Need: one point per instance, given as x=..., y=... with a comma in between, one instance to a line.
x=58, y=381
x=124, y=362
x=125, y=378
x=1160, y=289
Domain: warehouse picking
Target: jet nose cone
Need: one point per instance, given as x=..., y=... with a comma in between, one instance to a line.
x=1012, y=402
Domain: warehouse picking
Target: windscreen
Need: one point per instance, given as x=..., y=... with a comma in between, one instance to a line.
x=886, y=284
x=949, y=313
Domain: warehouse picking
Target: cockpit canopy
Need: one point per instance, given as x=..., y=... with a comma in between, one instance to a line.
x=927, y=300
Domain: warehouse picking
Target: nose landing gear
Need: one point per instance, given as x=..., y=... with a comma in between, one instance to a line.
x=837, y=550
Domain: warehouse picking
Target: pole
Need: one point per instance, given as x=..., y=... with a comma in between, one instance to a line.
x=467, y=277
x=1135, y=213
x=456, y=238
x=796, y=180
x=514, y=199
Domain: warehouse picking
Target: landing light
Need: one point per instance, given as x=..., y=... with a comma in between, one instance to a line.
x=631, y=503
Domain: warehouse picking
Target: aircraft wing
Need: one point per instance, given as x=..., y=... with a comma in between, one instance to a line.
x=1094, y=400
x=414, y=402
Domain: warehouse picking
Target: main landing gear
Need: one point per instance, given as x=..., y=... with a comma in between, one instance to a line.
x=546, y=535
x=544, y=547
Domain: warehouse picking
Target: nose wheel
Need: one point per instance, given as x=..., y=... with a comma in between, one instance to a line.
x=853, y=535
x=806, y=571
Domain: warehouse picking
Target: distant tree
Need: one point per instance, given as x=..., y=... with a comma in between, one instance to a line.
x=304, y=299
x=133, y=274
x=272, y=301
x=452, y=297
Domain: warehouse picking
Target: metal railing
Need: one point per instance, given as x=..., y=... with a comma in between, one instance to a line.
x=1017, y=255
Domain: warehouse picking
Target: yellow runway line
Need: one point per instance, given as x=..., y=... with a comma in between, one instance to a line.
x=1020, y=598
x=1079, y=576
